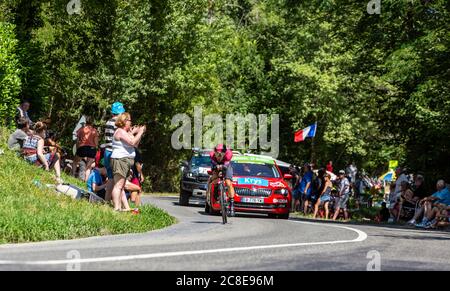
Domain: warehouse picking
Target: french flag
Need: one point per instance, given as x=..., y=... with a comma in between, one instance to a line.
x=302, y=134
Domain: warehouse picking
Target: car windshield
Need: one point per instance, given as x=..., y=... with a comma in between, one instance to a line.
x=255, y=170
x=200, y=161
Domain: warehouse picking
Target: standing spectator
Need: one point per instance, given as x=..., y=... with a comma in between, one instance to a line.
x=33, y=152
x=324, y=195
x=22, y=112
x=87, y=143
x=95, y=182
x=330, y=166
x=110, y=128
x=17, y=138
x=124, y=141
x=344, y=194
x=295, y=181
x=351, y=172
x=316, y=185
x=305, y=187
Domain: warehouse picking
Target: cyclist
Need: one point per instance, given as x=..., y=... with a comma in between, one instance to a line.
x=221, y=159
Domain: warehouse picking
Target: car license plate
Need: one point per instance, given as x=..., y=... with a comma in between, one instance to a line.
x=253, y=200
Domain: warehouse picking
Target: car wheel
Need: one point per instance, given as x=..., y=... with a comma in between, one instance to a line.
x=207, y=207
x=284, y=216
x=271, y=215
x=184, y=198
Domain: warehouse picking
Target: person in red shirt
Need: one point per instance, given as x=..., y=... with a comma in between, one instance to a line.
x=87, y=143
x=330, y=166
x=221, y=159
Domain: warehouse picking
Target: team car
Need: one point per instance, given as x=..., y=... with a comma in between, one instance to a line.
x=194, y=176
x=260, y=187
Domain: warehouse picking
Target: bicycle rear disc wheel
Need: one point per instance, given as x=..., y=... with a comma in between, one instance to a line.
x=223, y=207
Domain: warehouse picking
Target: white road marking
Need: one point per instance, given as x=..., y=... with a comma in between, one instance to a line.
x=361, y=237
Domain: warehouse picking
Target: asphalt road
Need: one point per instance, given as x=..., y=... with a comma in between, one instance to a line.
x=248, y=243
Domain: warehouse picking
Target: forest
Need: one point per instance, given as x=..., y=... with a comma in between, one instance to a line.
x=378, y=85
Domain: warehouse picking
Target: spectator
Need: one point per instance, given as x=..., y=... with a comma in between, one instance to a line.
x=17, y=138
x=344, y=194
x=33, y=152
x=124, y=141
x=419, y=188
x=116, y=109
x=351, y=172
x=137, y=178
x=330, y=166
x=383, y=215
x=22, y=112
x=401, y=176
x=394, y=196
x=305, y=186
x=406, y=201
x=433, y=205
x=96, y=183
x=316, y=186
x=324, y=196
x=87, y=143
x=295, y=182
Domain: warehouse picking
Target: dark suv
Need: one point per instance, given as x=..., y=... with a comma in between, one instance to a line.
x=194, y=176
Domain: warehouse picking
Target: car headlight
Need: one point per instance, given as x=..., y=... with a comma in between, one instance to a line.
x=190, y=175
x=284, y=192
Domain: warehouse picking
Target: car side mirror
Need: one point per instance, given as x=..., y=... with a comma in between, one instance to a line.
x=287, y=176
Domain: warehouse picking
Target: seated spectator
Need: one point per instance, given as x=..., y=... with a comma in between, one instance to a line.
x=137, y=178
x=96, y=183
x=432, y=205
x=17, y=138
x=407, y=202
x=419, y=188
x=383, y=215
x=442, y=218
x=133, y=189
x=33, y=151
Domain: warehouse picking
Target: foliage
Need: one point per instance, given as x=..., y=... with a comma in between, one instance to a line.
x=9, y=74
x=376, y=84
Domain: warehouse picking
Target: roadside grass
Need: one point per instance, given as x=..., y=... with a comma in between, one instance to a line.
x=29, y=213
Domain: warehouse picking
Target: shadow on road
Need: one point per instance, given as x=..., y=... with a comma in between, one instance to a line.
x=391, y=226
x=238, y=215
x=207, y=222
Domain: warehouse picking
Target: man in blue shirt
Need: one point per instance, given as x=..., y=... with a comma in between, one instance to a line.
x=95, y=182
x=305, y=186
x=434, y=205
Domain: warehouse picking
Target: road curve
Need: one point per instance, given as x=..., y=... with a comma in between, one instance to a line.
x=248, y=242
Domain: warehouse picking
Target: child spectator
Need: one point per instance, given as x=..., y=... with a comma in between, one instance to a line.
x=95, y=183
